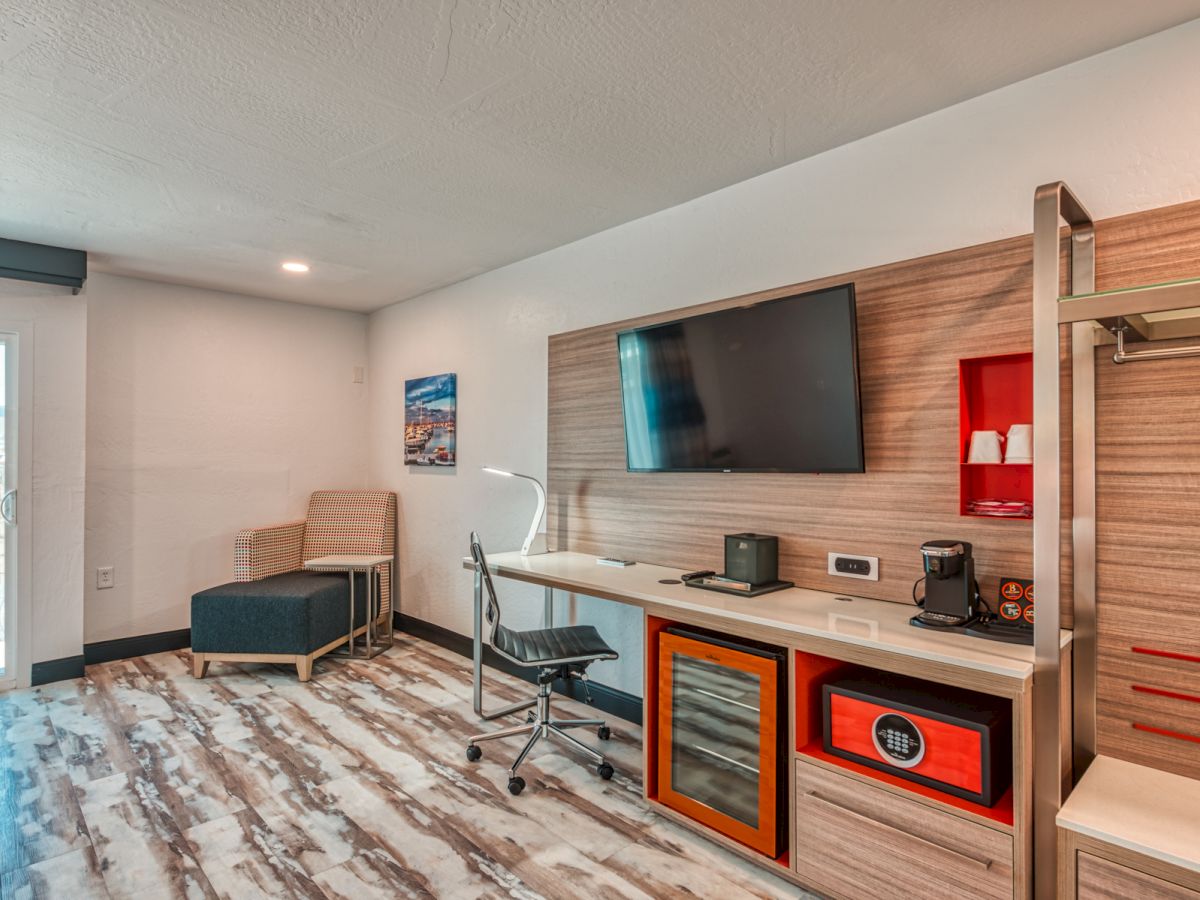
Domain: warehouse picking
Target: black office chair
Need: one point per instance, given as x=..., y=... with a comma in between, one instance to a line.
x=556, y=653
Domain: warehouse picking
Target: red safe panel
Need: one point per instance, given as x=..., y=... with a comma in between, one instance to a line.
x=953, y=754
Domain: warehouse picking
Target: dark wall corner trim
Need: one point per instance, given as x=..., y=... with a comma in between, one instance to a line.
x=612, y=701
x=56, y=670
x=137, y=645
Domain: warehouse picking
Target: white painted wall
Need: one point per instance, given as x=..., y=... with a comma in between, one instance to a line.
x=1122, y=128
x=52, y=511
x=207, y=412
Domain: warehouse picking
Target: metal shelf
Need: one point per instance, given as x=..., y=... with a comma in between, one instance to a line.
x=1133, y=301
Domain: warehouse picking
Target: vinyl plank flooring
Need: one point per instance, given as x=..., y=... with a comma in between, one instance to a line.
x=73, y=875
x=243, y=858
x=142, y=781
x=141, y=849
x=40, y=817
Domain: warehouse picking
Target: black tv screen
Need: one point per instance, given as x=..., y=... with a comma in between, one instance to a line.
x=771, y=387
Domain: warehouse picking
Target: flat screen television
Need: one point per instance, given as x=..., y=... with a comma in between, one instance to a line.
x=771, y=387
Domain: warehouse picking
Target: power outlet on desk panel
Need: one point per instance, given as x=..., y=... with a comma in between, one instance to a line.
x=849, y=566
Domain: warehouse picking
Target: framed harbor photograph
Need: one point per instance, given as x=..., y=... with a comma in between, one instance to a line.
x=429, y=420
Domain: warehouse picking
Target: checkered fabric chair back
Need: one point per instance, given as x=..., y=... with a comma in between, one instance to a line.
x=353, y=522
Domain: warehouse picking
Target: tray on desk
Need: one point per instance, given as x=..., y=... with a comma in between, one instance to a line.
x=756, y=591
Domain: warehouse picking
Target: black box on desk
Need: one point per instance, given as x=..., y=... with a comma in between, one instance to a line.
x=753, y=558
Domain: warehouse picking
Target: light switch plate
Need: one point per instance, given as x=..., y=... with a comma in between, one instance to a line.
x=852, y=566
x=105, y=578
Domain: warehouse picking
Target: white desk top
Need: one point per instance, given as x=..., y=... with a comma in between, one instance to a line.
x=868, y=623
x=1145, y=810
x=346, y=561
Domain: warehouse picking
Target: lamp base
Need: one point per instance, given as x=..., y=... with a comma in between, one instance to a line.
x=536, y=547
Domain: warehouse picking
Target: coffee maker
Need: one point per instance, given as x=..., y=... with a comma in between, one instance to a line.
x=950, y=588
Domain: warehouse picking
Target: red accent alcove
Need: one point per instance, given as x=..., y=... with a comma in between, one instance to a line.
x=994, y=393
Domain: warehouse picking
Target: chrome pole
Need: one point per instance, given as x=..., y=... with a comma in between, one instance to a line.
x=1052, y=202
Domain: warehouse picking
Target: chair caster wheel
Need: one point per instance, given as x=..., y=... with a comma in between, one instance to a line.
x=516, y=785
x=473, y=753
x=605, y=771
x=603, y=732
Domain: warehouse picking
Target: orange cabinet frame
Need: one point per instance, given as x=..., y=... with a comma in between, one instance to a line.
x=764, y=837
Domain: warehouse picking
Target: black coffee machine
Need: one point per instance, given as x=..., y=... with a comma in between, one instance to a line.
x=951, y=592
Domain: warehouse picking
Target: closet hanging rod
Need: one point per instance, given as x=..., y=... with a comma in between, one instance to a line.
x=1123, y=356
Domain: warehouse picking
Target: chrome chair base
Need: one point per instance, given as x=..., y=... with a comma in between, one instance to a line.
x=540, y=724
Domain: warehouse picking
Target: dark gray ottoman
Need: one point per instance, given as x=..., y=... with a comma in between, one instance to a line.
x=291, y=618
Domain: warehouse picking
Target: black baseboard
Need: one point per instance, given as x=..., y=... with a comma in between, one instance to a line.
x=610, y=700
x=138, y=645
x=56, y=670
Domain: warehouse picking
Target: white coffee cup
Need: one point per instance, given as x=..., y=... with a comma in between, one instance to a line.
x=985, y=447
x=1019, y=448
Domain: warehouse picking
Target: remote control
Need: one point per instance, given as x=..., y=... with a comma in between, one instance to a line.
x=692, y=576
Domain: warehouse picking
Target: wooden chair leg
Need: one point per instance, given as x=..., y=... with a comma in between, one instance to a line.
x=199, y=665
x=304, y=667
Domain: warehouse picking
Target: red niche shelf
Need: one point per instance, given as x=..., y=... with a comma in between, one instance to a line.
x=994, y=393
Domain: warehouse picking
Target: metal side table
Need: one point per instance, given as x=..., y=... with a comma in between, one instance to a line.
x=352, y=564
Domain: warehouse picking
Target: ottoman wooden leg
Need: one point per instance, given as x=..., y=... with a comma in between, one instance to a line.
x=304, y=667
x=199, y=665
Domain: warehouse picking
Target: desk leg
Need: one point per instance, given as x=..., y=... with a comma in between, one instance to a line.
x=477, y=659
x=351, y=642
x=477, y=647
x=548, y=608
x=370, y=579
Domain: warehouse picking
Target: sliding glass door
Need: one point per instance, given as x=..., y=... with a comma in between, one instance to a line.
x=8, y=511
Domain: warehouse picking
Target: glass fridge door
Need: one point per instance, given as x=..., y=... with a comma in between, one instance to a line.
x=717, y=738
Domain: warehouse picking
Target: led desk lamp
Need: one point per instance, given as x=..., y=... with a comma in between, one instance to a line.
x=535, y=543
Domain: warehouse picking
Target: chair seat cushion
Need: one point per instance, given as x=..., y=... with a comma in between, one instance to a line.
x=571, y=643
x=290, y=613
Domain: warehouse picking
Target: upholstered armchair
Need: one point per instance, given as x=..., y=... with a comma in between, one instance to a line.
x=275, y=611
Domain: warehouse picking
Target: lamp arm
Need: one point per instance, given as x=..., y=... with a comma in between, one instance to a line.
x=537, y=516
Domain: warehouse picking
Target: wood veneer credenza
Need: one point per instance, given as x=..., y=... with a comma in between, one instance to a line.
x=1130, y=831
x=854, y=832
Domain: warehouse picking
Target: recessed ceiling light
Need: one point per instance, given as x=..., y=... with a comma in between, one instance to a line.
x=292, y=266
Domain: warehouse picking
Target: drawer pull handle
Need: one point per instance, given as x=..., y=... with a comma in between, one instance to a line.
x=982, y=864
x=1166, y=654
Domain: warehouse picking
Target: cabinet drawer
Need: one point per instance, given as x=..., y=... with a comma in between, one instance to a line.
x=857, y=840
x=1101, y=879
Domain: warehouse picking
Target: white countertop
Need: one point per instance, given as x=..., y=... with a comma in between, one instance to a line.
x=876, y=624
x=1154, y=813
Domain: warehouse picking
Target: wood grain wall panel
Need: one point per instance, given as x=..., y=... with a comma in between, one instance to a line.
x=916, y=319
x=910, y=415
x=1148, y=542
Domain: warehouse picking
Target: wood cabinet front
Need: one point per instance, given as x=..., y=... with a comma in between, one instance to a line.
x=1102, y=879
x=855, y=840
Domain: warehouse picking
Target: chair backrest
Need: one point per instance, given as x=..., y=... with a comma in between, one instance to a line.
x=481, y=567
x=353, y=522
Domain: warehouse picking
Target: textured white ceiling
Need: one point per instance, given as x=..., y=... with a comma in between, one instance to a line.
x=400, y=146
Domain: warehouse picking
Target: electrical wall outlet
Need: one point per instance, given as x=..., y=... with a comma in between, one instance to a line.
x=105, y=578
x=847, y=565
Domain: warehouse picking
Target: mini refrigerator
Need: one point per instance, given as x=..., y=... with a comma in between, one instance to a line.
x=722, y=732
